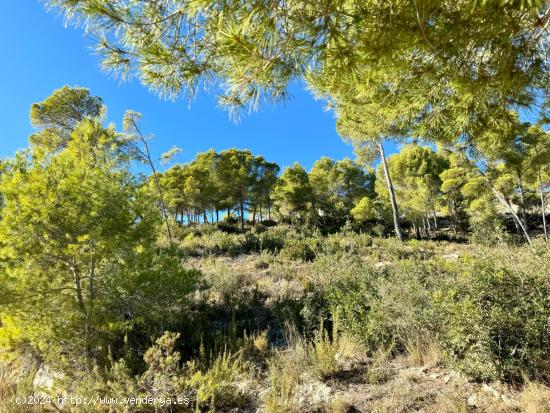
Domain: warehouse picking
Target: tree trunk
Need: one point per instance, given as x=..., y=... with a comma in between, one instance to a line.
x=428, y=222
x=147, y=155
x=254, y=216
x=242, y=214
x=453, y=218
x=509, y=207
x=416, y=230
x=89, y=313
x=82, y=306
x=522, y=201
x=395, y=210
x=204, y=217
x=217, y=215
x=435, y=219
x=543, y=206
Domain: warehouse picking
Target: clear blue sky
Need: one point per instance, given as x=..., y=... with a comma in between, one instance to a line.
x=41, y=55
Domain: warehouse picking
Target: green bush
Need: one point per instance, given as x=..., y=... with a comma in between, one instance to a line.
x=490, y=232
x=216, y=387
x=349, y=243
x=271, y=241
x=489, y=311
x=250, y=243
x=496, y=310
x=352, y=298
x=403, y=310
x=212, y=243
x=299, y=249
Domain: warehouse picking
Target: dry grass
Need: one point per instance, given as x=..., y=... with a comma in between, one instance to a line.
x=424, y=352
x=16, y=380
x=380, y=369
x=283, y=378
x=340, y=405
x=449, y=404
x=535, y=398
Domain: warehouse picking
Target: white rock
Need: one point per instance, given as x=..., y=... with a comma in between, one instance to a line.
x=490, y=390
x=383, y=264
x=450, y=257
x=509, y=401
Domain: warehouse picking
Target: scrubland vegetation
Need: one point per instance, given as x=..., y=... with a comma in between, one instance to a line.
x=118, y=286
x=411, y=282
x=412, y=325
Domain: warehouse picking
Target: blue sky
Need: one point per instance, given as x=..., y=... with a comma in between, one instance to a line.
x=40, y=55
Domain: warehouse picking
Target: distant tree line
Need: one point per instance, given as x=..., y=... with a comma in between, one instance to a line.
x=215, y=183
x=470, y=194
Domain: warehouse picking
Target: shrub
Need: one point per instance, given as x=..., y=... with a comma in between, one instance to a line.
x=271, y=241
x=216, y=387
x=284, y=377
x=488, y=311
x=298, y=249
x=222, y=243
x=268, y=223
x=323, y=353
x=352, y=297
x=210, y=385
x=496, y=310
x=350, y=243
x=215, y=243
x=401, y=309
x=250, y=243
x=327, y=352
x=490, y=231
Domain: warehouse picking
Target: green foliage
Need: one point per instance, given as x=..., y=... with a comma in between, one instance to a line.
x=496, y=315
x=337, y=186
x=478, y=194
x=213, y=183
x=298, y=249
x=324, y=350
x=413, y=62
x=78, y=246
x=215, y=243
x=351, y=297
x=293, y=194
x=488, y=313
x=365, y=210
x=216, y=387
x=65, y=109
x=453, y=180
x=371, y=213
x=272, y=241
x=415, y=174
